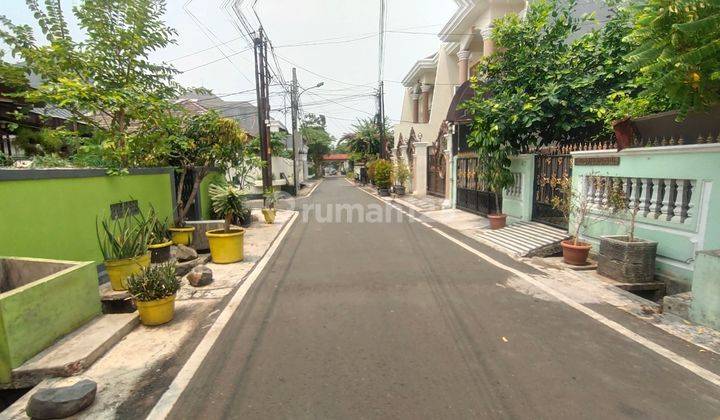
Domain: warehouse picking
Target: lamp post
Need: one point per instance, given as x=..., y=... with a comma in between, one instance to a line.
x=294, y=104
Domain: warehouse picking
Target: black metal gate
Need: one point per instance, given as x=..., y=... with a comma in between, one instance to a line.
x=436, y=171
x=472, y=195
x=551, y=169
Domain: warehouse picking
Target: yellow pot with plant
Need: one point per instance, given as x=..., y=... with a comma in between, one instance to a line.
x=153, y=291
x=123, y=242
x=269, y=202
x=226, y=245
x=182, y=235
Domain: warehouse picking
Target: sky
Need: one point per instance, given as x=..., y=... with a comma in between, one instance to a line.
x=329, y=41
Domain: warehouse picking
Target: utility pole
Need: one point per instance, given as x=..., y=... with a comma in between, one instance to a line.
x=381, y=121
x=294, y=108
x=262, y=78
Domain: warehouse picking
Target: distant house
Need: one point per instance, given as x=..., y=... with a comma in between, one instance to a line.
x=245, y=113
x=37, y=117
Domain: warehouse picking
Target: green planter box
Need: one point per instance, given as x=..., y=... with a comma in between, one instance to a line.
x=41, y=301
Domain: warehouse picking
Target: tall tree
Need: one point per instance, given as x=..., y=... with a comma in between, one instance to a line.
x=364, y=139
x=106, y=81
x=319, y=141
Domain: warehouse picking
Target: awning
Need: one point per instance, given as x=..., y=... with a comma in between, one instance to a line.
x=462, y=94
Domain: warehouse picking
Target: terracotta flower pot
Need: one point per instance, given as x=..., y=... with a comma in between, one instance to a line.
x=575, y=254
x=497, y=221
x=624, y=133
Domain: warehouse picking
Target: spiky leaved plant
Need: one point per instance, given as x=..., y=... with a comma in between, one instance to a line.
x=154, y=283
x=123, y=237
x=227, y=201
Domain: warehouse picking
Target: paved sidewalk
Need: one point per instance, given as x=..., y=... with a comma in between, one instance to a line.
x=127, y=373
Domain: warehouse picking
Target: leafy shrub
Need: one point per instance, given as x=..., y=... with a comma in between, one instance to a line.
x=159, y=232
x=5, y=160
x=678, y=50
x=154, y=283
x=402, y=173
x=371, y=170
x=383, y=173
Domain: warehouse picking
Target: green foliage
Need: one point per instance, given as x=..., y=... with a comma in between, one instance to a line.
x=154, y=283
x=383, y=173
x=277, y=145
x=227, y=201
x=678, y=50
x=159, y=232
x=402, y=173
x=371, y=169
x=105, y=80
x=270, y=198
x=5, y=160
x=50, y=161
x=318, y=140
x=364, y=140
x=541, y=88
x=207, y=141
x=124, y=237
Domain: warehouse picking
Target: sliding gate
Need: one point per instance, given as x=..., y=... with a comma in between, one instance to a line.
x=472, y=195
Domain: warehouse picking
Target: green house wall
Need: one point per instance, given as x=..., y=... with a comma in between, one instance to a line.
x=51, y=213
x=677, y=243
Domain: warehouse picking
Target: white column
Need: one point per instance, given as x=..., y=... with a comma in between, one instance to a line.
x=447, y=203
x=426, y=89
x=420, y=181
x=415, y=97
x=488, y=43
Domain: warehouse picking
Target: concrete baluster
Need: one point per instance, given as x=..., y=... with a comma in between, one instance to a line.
x=645, y=192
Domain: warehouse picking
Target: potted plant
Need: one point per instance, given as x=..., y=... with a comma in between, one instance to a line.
x=159, y=242
x=402, y=173
x=497, y=176
x=268, y=210
x=383, y=177
x=153, y=291
x=123, y=242
x=625, y=257
x=207, y=142
x=576, y=206
x=371, y=170
x=226, y=245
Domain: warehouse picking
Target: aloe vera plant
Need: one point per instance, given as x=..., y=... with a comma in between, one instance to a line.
x=154, y=283
x=123, y=237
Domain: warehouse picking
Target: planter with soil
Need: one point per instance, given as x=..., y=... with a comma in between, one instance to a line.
x=629, y=262
x=383, y=192
x=497, y=221
x=160, y=253
x=399, y=189
x=575, y=254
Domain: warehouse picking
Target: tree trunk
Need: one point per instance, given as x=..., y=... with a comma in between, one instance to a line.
x=228, y=221
x=178, y=198
x=498, y=210
x=199, y=175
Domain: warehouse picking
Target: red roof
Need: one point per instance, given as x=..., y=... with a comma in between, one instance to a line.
x=337, y=156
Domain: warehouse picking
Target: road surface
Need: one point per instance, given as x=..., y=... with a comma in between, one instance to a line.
x=393, y=320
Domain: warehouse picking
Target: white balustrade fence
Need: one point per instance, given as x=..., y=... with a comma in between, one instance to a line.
x=665, y=199
x=516, y=190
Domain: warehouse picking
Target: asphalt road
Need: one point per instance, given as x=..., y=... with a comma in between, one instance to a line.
x=391, y=320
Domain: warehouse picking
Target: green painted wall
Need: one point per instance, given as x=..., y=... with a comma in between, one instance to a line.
x=705, y=308
x=34, y=316
x=677, y=243
x=55, y=217
x=205, y=204
x=520, y=208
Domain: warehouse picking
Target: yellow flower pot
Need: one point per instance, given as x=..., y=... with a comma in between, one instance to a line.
x=156, y=312
x=269, y=215
x=226, y=248
x=182, y=235
x=120, y=270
